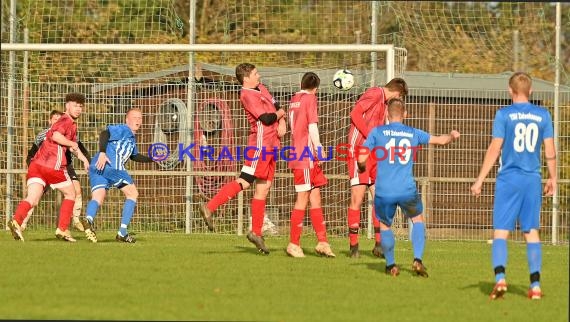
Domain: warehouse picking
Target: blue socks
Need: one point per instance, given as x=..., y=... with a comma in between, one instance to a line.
x=387, y=244
x=418, y=242
x=499, y=254
x=418, y=239
x=533, y=253
x=128, y=211
x=534, y=256
x=91, y=211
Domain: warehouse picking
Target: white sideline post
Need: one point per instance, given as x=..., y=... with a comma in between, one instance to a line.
x=190, y=119
x=10, y=123
x=556, y=124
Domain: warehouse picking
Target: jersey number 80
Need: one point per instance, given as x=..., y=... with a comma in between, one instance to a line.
x=526, y=137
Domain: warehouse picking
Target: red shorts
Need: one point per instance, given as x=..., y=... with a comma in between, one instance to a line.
x=367, y=177
x=307, y=179
x=44, y=176
x=259, y=164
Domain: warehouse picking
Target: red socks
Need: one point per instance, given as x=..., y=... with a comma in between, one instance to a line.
x=22, y=211
x=376, y=224
x=353, y=226
x=318, y=221
x=257, y=214
x=65, y=214
x=228, y=191
x=297, y=217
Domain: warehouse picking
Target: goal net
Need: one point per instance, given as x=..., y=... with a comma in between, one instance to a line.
x=195, y=100
x=179, y=114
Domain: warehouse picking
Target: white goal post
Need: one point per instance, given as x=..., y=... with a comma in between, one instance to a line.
x=389, y=49
x=394, y=60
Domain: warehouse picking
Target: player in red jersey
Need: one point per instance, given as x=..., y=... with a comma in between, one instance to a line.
x=368, y=112
x=308, y=176
x=267, y=121
x=49, y=167
x=40, y=138
x=53, y=118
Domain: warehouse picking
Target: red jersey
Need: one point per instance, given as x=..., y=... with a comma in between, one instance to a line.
x=372, y=108
x=51, y=154
x=302, y=112
x=257, y=102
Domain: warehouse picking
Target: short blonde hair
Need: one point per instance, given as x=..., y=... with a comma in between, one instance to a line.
x=133, y=109
x=396, y=108
x=520, y=83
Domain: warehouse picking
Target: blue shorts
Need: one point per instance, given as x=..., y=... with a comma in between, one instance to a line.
x=108, y=178
x=517, y=197
x=385, y=207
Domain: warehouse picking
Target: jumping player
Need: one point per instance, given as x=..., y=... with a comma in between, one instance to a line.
x=267, y=125
x=308, y=176
x=368, y=112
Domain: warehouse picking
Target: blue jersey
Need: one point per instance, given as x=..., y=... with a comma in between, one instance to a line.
x=395, y=147
x=121, y=146
x=523, y=127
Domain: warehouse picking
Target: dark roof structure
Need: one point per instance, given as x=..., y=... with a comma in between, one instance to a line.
x=490, y=86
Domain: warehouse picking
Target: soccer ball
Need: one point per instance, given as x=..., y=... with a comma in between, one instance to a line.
x=343, y=79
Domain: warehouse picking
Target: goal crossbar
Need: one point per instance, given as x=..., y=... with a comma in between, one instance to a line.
x=390, y=49
x=197, y=47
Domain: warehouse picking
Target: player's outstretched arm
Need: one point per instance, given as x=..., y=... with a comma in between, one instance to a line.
x=444, y=139
x=83, y=150
x=81, y=157
x=141, y=158
x=491, y=156
x=550, y=155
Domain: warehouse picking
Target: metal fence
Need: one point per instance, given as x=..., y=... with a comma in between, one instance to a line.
x=444, y=174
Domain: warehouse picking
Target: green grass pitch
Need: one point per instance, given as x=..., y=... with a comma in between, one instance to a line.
x=210, y=277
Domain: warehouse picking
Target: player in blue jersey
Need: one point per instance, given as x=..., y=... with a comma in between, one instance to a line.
x=117, y=144
x=518, y=132
x=395, y=147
